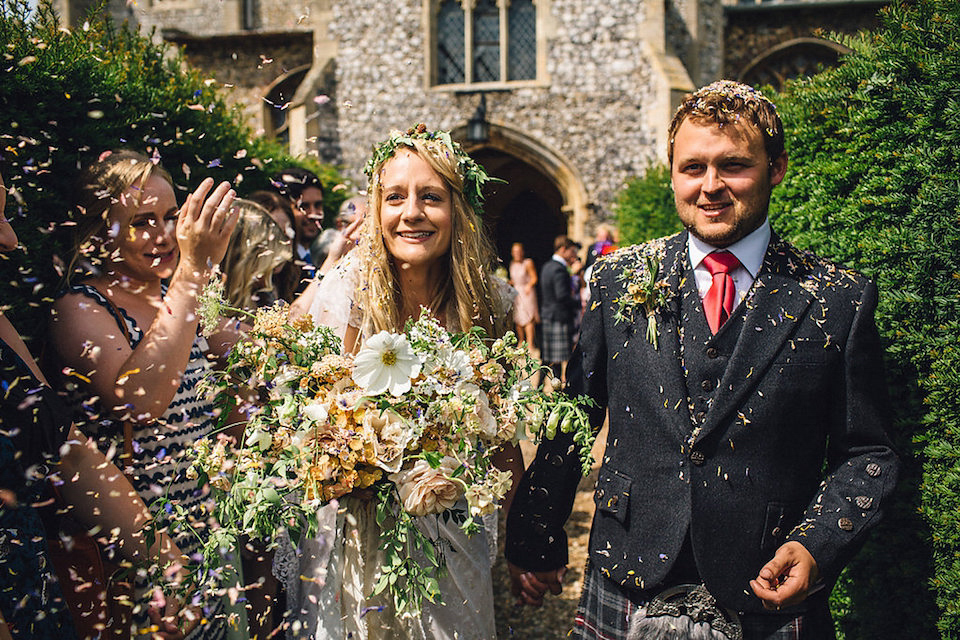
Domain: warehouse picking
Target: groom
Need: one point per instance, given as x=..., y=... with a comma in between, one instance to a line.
x=746, y=457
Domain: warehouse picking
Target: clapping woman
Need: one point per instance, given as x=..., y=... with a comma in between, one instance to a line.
x=421, y=245
x=37, y=443
x=126, y=341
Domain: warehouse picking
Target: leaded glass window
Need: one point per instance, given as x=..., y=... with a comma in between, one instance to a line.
x=486, y=41
x=450, y=43
x=522, y=52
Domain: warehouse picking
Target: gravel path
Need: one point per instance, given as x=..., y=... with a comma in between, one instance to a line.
x=555, y=618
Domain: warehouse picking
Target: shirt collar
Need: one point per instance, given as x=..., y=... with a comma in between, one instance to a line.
x=749, y=250
x=559, y=259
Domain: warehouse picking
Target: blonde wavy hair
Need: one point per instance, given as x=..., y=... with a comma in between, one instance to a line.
x=257, y=247
x=100, y=186
x=465, y=293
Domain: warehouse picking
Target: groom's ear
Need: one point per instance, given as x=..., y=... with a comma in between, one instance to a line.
x=778, y=169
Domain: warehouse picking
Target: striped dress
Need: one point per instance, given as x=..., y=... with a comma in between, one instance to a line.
x=160, y=449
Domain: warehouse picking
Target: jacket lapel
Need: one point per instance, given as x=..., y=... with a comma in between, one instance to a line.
x=666, y=360
x=776, y=303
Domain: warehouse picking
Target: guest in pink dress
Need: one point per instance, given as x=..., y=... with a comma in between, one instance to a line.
x=523, y=276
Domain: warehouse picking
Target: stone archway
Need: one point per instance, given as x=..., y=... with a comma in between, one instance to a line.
x=542, y=197
x=794, y=58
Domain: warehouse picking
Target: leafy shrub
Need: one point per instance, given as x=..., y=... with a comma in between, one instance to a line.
x=70, y=95
x=645, y=207
x=874, y=184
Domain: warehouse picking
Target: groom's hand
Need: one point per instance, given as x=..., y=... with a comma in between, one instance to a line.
x=788, y=578
x=529, y=586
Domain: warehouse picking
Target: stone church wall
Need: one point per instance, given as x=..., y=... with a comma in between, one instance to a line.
x=591, y=109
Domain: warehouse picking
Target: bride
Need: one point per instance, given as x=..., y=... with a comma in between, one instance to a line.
x=422, y=245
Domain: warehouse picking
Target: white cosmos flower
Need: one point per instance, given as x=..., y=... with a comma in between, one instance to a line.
x=385, y=363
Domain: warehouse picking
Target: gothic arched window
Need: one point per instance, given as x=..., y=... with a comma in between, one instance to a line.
x=484, y=41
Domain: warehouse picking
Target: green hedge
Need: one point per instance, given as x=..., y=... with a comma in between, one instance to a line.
x=874, y=183
x=644, y=207
x=66, y=96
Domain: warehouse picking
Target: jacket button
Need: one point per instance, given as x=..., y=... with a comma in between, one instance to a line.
x=712, y=352
x=846, y=524
x=707, y=385
x=697, y=457
x=873, y=470
x=864, y=502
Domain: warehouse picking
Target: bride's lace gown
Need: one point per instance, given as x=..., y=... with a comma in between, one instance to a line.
x=330, y=578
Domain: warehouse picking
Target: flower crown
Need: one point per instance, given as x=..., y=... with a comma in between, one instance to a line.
x=442, y=145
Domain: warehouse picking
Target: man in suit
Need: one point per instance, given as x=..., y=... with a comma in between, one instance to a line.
x=305, y=192
x=746, y=457
x=558, y=306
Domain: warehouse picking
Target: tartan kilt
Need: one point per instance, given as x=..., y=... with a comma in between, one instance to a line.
x=605, y=610
x=556, y=343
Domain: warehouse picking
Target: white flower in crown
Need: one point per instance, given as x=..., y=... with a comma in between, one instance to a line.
x=386, y=362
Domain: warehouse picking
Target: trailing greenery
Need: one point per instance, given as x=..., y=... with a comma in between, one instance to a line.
x=874, y=183
x=70, y=95
x=645, y=207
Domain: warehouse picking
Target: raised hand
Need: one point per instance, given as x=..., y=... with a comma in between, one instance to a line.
x=205, y=225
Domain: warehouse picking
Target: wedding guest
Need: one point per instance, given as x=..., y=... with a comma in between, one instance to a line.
x=258, y=251
x=422, y=245
x=304, y=190
x=604, y=243
x=523, y=277
x=38, y=444
x=747, y=456
x=280, y=209
x=350, y=210
x=125, y=336
x=558, y=306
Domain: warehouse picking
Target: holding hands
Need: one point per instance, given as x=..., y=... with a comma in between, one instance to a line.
x=529, y=587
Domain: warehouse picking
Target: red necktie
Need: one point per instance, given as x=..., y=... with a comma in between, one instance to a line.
x=718, y=303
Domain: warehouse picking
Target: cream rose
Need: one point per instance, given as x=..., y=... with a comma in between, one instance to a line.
x=426, y=490
x=393, y=436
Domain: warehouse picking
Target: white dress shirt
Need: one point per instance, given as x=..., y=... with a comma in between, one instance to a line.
x=749, y=250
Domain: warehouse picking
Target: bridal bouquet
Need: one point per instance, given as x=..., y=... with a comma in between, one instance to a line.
x=412, y=419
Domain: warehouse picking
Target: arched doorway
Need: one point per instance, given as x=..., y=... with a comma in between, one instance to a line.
x=542, y=196
x=792, y=59
x=527, y=208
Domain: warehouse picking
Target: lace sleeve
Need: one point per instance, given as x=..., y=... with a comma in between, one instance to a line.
x=334, y=304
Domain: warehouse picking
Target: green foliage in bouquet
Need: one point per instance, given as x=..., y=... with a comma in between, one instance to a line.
x=413, y=418
x=645, y=208
x=874, y=183
x=70, y=94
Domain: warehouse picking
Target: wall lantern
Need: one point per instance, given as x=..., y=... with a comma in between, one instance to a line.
x=478, y=129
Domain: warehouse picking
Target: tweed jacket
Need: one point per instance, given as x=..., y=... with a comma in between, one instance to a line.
x=772, y=430
x=557, y=303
